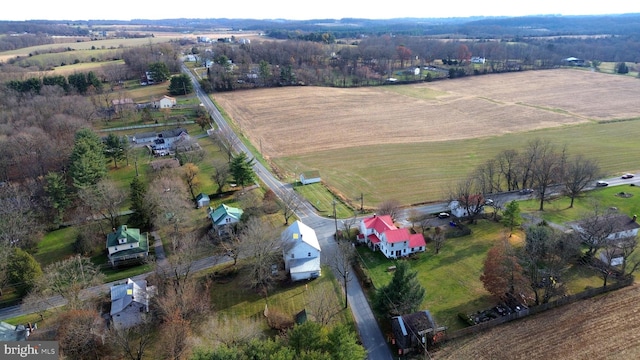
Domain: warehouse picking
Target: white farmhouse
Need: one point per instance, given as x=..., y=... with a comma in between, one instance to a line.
x=301, y=252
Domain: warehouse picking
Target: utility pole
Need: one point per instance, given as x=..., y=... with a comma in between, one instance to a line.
x=335, y=217
x=361, y=202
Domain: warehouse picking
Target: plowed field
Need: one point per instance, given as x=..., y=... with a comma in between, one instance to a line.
x=299, y=120
x=604, y=327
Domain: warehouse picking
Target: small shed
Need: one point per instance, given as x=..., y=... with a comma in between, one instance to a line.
x=202, y=200
x=310, y=177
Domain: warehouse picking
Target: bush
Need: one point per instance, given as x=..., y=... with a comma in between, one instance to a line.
x=466, y=319
x=278, y=320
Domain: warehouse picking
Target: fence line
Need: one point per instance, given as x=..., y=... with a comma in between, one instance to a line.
x=538, y=309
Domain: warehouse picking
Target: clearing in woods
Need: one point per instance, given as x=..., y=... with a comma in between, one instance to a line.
x=603, y=327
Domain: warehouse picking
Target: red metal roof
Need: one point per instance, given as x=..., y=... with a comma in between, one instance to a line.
x=374, y=239
x=397, y=235
x=379, y=223
x=416, y=240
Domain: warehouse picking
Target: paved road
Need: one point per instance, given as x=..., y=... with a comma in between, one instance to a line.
x=368, y=329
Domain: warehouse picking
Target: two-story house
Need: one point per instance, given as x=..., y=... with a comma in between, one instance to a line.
x=125, y=245
x=380, y=233
x=224, y=216
x=301, y=252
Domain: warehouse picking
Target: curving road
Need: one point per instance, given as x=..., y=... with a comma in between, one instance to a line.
x=368, y=329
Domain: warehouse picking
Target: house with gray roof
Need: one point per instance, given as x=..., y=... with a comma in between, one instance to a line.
x=130, y=302
x=126, y=245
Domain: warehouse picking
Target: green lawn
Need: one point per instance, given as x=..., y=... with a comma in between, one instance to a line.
x=233, y=299
x=424, y=172
x=452, y=277
x=322, y=200
x=557, y=210
x=56, y=245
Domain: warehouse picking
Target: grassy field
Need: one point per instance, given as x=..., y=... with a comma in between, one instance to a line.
x=411, y=142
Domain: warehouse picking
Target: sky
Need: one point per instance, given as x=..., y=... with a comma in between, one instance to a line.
x=304, y=10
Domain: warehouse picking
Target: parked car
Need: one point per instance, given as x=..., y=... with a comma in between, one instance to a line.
x=627, y=176
x=602, y=183
x=488, y=202
x=525, y=191
x=443, y=215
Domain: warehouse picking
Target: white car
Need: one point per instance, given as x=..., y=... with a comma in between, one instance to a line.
x=443, y=215
x=602, y=183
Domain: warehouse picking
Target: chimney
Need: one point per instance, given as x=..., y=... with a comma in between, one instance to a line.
x=374, y=214
x=635, y=217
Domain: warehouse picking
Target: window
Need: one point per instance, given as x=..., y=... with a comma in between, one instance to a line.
x=309, y=255
x=292, y=256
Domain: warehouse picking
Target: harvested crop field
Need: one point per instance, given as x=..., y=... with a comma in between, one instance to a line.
x=604, y=327
x=300, y=120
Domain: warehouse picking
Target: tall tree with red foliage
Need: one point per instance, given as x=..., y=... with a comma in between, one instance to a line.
x=503, y=276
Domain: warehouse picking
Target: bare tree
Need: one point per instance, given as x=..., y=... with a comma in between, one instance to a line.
x=133, y=342
x=175, y=334
x=262, y=246
x=190, y=176
x=67, y=278
x=105, y=199
x=438, y=238
x=220, y=173
x=508, y=164
x=289, y=203
x=323, y=306
x=18, y=225
x=341, y=265
x=469, y=197
x=348, y=224
x=595, y=228
x=389, y=207
x=546, y=166
x=226, y=140
x=80, y=334
x=178, y=289
x=580, y=172
x=169, y=193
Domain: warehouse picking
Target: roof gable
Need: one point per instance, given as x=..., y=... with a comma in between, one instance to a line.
x=416, y=240
x=379, y=223
x=123, y=235
x=623, y=222
x=300, y=231
x=224, y=211
x=124, y=294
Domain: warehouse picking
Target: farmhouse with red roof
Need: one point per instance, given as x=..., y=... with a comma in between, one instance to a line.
x=379, y=233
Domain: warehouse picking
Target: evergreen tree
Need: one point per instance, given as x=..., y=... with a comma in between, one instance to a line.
x=57, y=194
x=88, y=164
x=180, y=85
x=241, y=169
x=115, y=147
x=143, y=209
x=511, y=216
x=622, y=68
x=403, y=295
x=159, y=72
